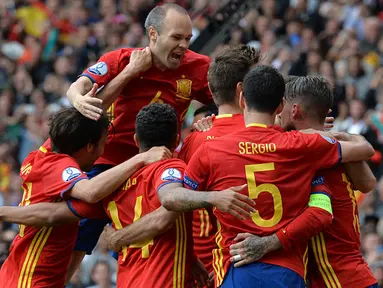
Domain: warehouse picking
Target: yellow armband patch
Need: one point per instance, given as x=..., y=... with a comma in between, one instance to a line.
x=321, y=200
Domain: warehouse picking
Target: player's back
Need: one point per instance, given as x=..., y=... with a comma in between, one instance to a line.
x=174, y=87
x=336, y=251
x=278, y=168
x=39, y=257
x=165, y=260
x=204, y=222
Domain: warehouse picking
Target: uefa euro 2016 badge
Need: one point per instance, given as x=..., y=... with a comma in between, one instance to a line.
x=171, y=174
x=70, y=173
x=100, y=69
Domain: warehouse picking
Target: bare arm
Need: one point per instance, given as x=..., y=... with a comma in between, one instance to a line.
x=354, y=147
x=39, y=215
x=175, y=197
x=145, y=228
x=90, y=106
x=361, y=176
x=97, y=188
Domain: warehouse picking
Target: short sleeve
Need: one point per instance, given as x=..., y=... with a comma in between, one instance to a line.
x=61, y=174
x=85, y=210
x=196, y=172
x=320, y=196
x=322, y=152
x=318, y=185
x=171, y=172
x=106, y=68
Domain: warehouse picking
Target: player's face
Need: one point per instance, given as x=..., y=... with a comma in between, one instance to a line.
x=97, y=150
x=172, y=43
x=286, y=118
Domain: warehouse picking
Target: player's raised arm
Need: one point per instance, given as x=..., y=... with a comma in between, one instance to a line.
x=361, y=176
x=106, y=72
x=97, y=188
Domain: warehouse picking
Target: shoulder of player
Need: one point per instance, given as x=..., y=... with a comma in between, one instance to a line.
x=192, y=57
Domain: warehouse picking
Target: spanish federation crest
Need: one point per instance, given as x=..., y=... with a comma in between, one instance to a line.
x=184, y=88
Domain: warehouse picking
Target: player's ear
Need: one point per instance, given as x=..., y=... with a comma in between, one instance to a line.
x=178, y=138
x=135, y=140
x=239, y=89
x=153, y=34
x=242, y=101
x=296, y=112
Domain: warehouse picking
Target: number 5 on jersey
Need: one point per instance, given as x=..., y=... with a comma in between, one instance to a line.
x=255, y=191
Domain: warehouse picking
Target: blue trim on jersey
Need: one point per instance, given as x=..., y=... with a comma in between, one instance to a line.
x=340, y=153
x=88, y=76
x=168, y=182
x=374, y=286
x=71, y=186
x=71, y=208
x=90, y=229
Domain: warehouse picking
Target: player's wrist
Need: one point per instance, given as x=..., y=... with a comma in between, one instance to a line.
x=272, y=243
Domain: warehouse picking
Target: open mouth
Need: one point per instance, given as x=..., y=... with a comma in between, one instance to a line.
x=176, y=56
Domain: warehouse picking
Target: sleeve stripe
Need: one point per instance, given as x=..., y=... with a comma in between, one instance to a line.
x=71, y=208
x=62, y=194
x=168, y=182
x=340, y=153
x=88, y=76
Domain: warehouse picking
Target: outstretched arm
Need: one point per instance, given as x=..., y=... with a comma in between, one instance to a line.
x=39, y=215
x=361, y=176
x=145, y=228
x=97, y=188
x=175, y=197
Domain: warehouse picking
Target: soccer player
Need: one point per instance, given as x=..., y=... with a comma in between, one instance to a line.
x=144, y=263
x=278, y=167
x=131, y=78
x=225, y=75
x=336, y=251
x=40, y=257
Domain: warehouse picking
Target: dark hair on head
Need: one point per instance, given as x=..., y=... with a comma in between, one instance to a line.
x=290, y=78
x=263, y=89
x=70, y=131
x=228, y=68
x=157, y=125
x=157, y=15
x=207, y=110
x=314, y=93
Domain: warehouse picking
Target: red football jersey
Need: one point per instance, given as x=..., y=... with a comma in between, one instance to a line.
x=164, y=261
x=39, y=257
x=204, y=221
x=174, y=87
x=278, y=167
x=336, y=251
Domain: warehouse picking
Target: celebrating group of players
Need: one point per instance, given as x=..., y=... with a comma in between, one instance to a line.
x=272, y=208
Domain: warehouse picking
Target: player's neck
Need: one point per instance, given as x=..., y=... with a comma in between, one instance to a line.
x=258, y=117
x=229, y=109
x=302, y=125
x=157, y=63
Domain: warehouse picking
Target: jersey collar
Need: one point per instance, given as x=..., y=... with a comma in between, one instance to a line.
x=223, y=116
x=256, y=125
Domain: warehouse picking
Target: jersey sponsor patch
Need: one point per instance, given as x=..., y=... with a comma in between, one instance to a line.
x=100, y=68
x=191, y=183
x=171, y=174
x=317, y=181
x=70, y=173
x=328, y=139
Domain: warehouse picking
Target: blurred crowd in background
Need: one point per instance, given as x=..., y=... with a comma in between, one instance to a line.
x=44, y=45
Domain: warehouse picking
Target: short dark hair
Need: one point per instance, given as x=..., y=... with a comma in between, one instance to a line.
x=263, y=89
x=157, y=15
x=157, y=125
x=207, y=110
x=228, y=68
x=314, y=93
x=70, y=131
